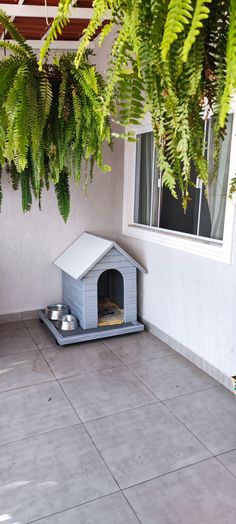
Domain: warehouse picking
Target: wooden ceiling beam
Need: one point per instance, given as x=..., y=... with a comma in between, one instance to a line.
x=26, y=11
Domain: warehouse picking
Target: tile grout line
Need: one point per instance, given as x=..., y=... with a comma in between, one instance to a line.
x=127, y=364
x=167, y=473
x=191, y=393
x=121, y=412
x=72, y=507
x=186, y=427
x=69, y=377
x=28, y=386
x=222, y=464
x=35, y=435
x=146, y=359
x=131, y=507
x=224, y=452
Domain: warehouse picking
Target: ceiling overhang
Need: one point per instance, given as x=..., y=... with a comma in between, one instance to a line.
x=33, y=19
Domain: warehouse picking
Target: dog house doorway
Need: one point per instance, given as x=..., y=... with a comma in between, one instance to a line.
x=110, y=298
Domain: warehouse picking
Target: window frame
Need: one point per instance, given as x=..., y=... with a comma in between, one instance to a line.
x=219, y=250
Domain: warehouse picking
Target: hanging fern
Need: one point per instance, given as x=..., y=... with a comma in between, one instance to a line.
x=174, y=58
x=50, y=121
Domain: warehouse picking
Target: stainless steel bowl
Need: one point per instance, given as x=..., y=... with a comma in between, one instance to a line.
x=67, y=323
x=56, y=311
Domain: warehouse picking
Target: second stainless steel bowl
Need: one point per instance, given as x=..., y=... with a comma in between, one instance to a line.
x=67, y=323
x=56, y=311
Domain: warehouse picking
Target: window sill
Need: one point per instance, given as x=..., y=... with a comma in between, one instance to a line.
x=214, y=249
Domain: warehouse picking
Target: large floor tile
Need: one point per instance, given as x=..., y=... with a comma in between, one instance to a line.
x=40, y=333
x=169, y=377
x=210, y=415
x=50, y=473
x=105, y=393
x=229, y=460
x=23, y=369
x=79, y=359
x=14, y=341
x=33, y=410
x=139, y=346
x=7, y=326
x=143, y=443
x=112, y=509
x=202, y=493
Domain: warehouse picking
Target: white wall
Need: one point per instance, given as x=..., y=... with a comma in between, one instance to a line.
x=190, y=302
x=30, y=242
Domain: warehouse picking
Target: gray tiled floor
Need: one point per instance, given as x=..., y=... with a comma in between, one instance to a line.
x=120, y=431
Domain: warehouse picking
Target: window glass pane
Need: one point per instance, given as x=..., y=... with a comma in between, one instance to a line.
x=155, y=206
x=143, y=178
x=213, y=207
x=172, y=213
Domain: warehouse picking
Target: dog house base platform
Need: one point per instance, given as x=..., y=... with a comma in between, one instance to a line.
x=82, y=335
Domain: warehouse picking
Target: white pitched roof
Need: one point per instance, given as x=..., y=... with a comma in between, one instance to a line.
x=85, y=252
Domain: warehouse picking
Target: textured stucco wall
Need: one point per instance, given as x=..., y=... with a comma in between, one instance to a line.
x=191, y=299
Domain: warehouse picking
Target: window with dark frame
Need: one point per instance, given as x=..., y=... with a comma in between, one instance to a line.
x=154, y=205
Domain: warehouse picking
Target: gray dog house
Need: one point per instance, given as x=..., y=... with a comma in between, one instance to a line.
x=96, y=270
x=99, y=285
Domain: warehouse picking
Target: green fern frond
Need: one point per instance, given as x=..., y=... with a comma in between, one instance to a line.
x=230, y=78
x=25, y=191
x=45, y=97
x=62, y=191
x=9, y=26
x=232, y=189
x=17, y=49
x=132, y=103
x=100, y=8
x=179, y=15
x=14, y=176
x=201, y=12
x=62, y=94
x=59, y=22
x=107, y=28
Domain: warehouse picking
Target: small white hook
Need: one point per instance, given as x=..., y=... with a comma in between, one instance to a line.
x=46, y=12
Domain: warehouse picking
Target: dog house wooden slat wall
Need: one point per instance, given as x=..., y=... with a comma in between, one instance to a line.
x=97, y=272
